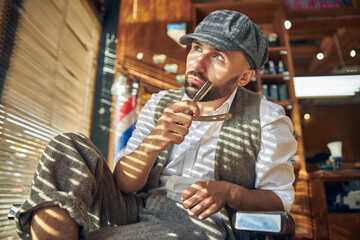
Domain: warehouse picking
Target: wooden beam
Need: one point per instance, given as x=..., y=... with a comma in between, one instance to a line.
x=306, y=35
x=307, y=13
x=324, y=23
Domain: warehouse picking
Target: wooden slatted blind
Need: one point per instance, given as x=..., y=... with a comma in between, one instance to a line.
x=47, y=72
x=23, y=138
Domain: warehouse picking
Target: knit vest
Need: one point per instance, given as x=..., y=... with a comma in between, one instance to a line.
x=238, y=143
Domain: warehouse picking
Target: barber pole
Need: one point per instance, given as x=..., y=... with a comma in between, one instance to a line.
x=125, y=110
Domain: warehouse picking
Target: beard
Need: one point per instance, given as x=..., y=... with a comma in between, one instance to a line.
x=216, y=92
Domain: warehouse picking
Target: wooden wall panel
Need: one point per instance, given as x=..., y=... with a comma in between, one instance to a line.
x=337, y=122
x=300, y=210
x=143, y=11
x=143, y=29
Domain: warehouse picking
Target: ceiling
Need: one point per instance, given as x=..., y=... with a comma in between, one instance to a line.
x=319, y=30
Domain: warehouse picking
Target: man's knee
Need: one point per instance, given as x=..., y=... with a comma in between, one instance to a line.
x=53, y=223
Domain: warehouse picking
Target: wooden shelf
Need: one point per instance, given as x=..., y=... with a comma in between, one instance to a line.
x=327, y=224
x=296, y=166
x=278, y=49
x=275, y=76
x=284, y=103
x=336, y=174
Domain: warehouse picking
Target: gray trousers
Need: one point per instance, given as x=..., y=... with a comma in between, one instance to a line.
x=73, y=175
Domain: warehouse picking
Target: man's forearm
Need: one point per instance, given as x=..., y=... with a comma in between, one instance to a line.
x=131, y=171
x=240, y=198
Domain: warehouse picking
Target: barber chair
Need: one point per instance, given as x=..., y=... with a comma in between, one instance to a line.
x=13, y=210
x=275, y=225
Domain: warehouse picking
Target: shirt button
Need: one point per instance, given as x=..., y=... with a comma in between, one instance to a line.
x=188, y=170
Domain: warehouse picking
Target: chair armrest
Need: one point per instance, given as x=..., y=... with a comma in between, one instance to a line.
x=272, y=223
x=13, y=210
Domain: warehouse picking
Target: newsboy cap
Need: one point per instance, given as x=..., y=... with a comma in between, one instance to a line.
x=231, y=31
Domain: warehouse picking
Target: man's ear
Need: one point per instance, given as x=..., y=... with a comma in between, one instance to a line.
x=246, y=77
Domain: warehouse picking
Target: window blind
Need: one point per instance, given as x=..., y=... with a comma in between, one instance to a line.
x=48, y=66
x=23, y=137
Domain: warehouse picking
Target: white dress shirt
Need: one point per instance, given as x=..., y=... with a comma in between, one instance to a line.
x=194, y=158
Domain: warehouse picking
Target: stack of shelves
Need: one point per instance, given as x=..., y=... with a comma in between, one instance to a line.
x=276, y=85
x=269, y=15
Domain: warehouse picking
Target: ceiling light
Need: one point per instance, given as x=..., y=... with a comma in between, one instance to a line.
x=287, y=24
x=140, y=55
x=327, y=86
x=352, y=53
x=320, y=56
x=307, y=116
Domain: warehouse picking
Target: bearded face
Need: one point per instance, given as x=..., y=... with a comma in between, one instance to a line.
x=216, y=92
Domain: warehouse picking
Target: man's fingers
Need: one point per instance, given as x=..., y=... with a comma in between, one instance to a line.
x=204, y=198
x=214, y=208
x=183, y=105
x=190, y=191
x=173, y=127
x=204, y=209
x=194, y=194
x=176, y=118
x=192, y=201
x=197, y=209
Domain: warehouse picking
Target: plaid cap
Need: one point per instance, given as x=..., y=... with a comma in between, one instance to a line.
x=231, y=31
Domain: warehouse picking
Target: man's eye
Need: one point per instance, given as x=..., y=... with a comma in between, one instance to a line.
x=197, y=48
x=219, y=57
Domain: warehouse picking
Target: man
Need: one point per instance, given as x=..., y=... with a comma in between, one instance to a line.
x=189, y=176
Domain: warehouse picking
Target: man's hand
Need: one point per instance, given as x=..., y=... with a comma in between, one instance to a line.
x=173, y=125
x=204, y=198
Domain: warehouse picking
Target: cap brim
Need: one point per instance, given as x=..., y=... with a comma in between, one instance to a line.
x=214, y=40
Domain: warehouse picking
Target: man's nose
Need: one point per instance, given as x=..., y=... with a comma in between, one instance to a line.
x=200, y=63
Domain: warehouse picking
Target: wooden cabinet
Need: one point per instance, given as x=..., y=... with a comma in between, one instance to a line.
x=331, y=216
x=269, y=15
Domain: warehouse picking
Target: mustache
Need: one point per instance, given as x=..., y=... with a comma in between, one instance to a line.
x=198, y=75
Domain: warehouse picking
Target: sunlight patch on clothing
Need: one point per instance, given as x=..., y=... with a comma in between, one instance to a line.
x=61, y=153
x=249, y=127
x=75, y=182
x=226, y=159
x=41, y=194
x=201, y=167
x=46, y=182
x=63, y=144
x=63, y=135
x=145, y=118
x=263, y=168
x=231, y=144
x=173, y=235
x=93, y=216
x=85, y=146
x=78, y=172
x=203, y=224
x=43, y=167
x=231, y=133
x=48, y=157
x=31, y=202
